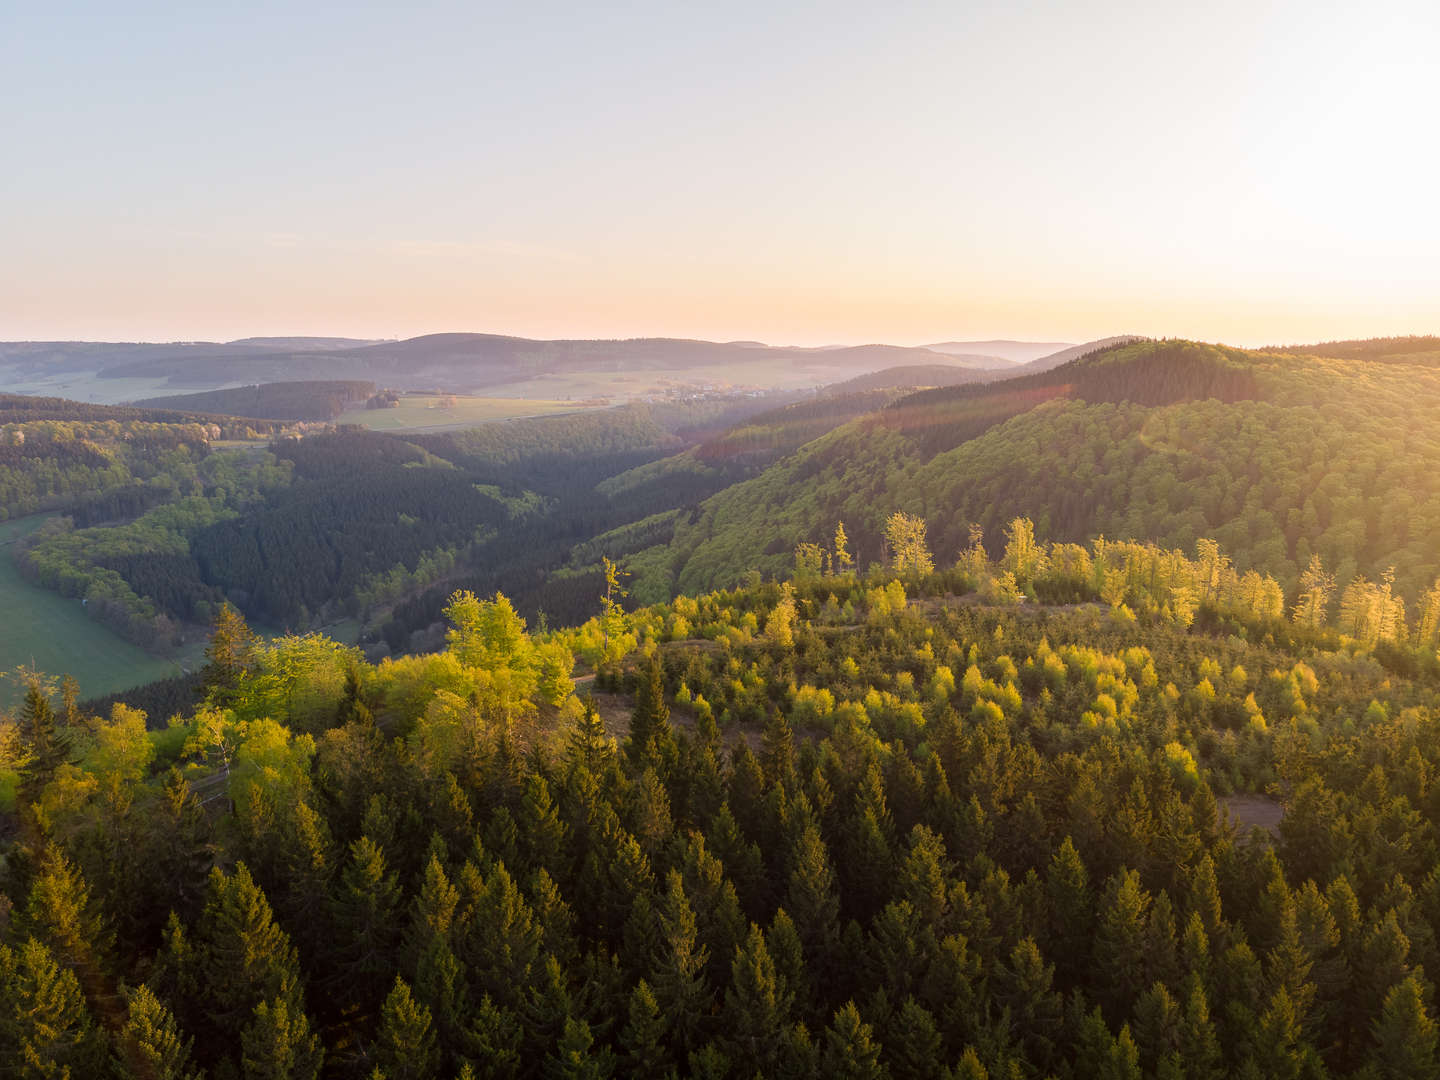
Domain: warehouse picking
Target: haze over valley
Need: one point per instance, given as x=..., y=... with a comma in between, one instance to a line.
x=563, y=542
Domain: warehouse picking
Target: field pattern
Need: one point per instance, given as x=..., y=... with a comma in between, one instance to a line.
x=428, y=413
x=46, y=630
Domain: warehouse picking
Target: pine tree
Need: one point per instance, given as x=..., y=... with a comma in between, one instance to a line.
x=1405, y=1035
x=46, y=746
x=61, y=910
x=364, y=922
x=152, y=1047
x=922, y=877
x=589, y=746
x=913, y=1045
x=230, y=656
x=850, y=1050
x=247, y=960
x=757, y=1008
x=777, y=751
x=575, y=1057
x=432, y=913
x=1072, y=912
x=45, y=1026
x=643, y=1038
x=811, y=899
x=678, y=967
x=405, y=1045
x=278, y=1044
x=540, y=826
x=1120, y=956
x=650, y=720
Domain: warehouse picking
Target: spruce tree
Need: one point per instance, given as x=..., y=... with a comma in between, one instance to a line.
x=151, y=1044
x=45, y=1026
x=279, y=1045
x=364, y=926
x=247, y=960
x=643, y=1037
x=650, y=732
x=756, y=1015
x=850, y=1051
x=1405, y=1035
x=405, y=1045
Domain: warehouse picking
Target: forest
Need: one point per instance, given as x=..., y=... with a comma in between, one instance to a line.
x=966, y=820
x=323, y=400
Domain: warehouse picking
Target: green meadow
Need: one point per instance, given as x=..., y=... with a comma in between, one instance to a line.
x=417, y=412
x=51, y=632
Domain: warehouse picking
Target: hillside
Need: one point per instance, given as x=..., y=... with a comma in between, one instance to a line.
x=1278, y=457
x=1073, y=352
x=845, y=826
x=1011, y=352
x=1412, y=349
x=911, y=376
x=272, y=401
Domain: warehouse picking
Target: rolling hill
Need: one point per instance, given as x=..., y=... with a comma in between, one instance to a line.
x=1004, y=351
x=272, y=401
x=1277, y=457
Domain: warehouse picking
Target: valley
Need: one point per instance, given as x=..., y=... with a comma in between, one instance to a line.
x=798, y=728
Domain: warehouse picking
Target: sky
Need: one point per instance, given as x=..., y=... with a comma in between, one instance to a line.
x=1247, y=172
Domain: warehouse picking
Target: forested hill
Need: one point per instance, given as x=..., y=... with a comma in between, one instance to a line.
x=884, y=826
x=1412, y=349
x=912, y=376
x=1275, y=455
x=272, y=401
x=477, y=359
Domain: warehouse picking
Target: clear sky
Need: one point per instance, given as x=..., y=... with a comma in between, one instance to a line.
x=1233, y=170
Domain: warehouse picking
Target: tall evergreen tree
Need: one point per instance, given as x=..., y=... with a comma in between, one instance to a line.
x=45, y=1026
x=279, y=1045
x=405, y=1045
x=650, y=720
x=151, y=1044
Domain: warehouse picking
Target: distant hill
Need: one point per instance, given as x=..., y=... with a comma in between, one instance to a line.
x=1009, y=352
x=272, y=401
x=1074, y=352
x=912, y=376
x=1276, y=457
x=54, y=356
x=467, y=361
x=1413, y=349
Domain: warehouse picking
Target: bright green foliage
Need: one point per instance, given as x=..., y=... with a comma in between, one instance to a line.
x=45, y=1027
x=909, y=552
x=1004, y=817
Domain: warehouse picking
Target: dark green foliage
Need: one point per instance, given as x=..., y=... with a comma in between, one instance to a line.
x=1011, y=867
x=322, y=400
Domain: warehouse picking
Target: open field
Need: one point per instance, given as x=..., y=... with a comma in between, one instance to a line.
x=87, y=386
x=418, y=412
x=52, y=632
x=622, y=386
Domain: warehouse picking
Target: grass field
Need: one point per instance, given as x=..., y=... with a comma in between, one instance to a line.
x=621, y=386
x=418, y=412
x=43, y=628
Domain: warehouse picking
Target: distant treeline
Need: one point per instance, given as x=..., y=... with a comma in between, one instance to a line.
x=274, y=401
